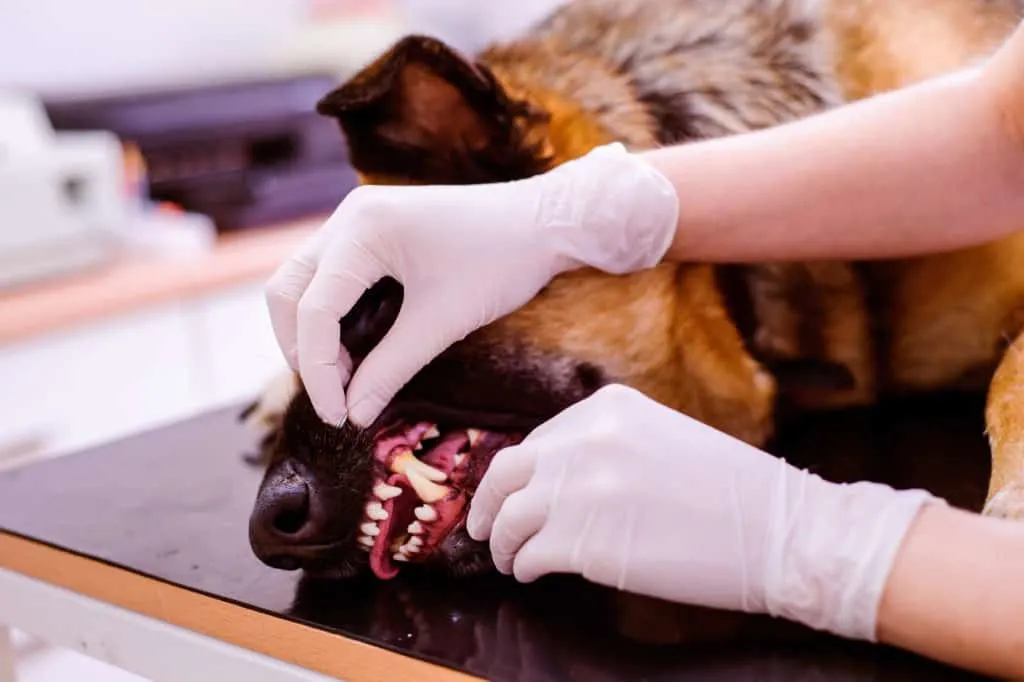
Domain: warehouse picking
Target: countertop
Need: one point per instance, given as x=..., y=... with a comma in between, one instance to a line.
x=157, y=523
x=131, y=283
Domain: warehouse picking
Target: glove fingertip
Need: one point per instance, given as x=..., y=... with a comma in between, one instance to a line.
x=525, y=572
x=478, y=527
x=364, y=412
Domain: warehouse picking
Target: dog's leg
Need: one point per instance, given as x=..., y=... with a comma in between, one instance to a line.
x=265, y=413
x=1004, y=418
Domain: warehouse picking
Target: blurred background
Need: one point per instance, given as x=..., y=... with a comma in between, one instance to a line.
x=158, y=160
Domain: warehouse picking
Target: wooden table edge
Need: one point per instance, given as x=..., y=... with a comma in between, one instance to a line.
x=282, y=639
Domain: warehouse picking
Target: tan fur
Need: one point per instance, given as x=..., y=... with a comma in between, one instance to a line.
x=649, y=73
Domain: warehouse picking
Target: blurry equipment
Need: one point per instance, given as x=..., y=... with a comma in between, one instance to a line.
x=61, y=199
x=244, y=153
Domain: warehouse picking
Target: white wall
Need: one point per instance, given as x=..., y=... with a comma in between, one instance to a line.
x=61, y=46
x=72, y=45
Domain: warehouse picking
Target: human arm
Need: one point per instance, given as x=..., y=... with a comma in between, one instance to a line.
x=630, y=494
x=955, y=593
x=931, y=167
x=924, y=169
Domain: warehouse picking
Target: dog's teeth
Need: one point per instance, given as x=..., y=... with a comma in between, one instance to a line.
x=432, y=432
x=459, y=458
x=415, y=541
x=385, y=492
x=400, y=557
x=474, y=436
x=406, y=463
x=409, y=549
x=425, y=490
x=370, y=529
x=425, y=513
x=366, y=541
x=376, y=511
x=418, y=447
x=415, y=528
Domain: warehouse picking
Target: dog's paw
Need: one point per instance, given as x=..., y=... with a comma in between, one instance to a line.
x=266, y=412
x=264, y=415
x=1008, y=503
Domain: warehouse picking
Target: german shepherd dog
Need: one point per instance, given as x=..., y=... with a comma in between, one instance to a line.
x=733, y=346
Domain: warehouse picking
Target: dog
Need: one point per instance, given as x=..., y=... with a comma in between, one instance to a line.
x=737, y=347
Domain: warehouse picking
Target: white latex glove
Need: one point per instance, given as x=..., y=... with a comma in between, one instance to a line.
x=466, y=255
x=636, y=496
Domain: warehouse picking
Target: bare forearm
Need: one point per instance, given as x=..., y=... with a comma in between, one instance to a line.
x=923, y=169
x=955, y=592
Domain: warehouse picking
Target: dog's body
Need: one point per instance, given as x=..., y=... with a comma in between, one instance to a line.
x=727, y=345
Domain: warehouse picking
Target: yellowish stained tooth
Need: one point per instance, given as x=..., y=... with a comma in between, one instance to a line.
x=375, y=511
x=365, y=541
x=474, y=436
x=400, y=557
x=364, y=548
x=415, y=541
x=406, y=462
x=432, y=432
x=459, y=458
x=385, y=492
x=415, y=528
x=370, y=529
x=425, y=513
x=426, y=490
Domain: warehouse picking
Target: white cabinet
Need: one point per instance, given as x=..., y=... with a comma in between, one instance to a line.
x=71, y=389
x=95, y=383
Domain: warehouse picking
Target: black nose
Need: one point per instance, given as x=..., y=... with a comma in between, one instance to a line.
x=283, y=521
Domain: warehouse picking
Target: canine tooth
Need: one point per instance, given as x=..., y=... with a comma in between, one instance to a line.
x=432, y=432
x=366, y=541
x=425, y=513
x=375, y=511
x=370, y=529
x=415, y=541
x=400, y=557
x=459, y=458
x=385, y=492
x=415, y=528
x=405, y=463
x=426, y=490
x=418, y=447
x=474, y=436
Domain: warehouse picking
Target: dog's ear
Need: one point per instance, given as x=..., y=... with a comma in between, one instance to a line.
x=422, y=113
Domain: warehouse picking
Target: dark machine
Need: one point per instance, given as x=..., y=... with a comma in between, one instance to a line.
x=244, y=154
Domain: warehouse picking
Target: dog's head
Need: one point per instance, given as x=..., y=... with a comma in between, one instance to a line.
x=341, y=501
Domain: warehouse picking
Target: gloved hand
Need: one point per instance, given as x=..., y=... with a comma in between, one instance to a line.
x=636, y=496
x=466, y=255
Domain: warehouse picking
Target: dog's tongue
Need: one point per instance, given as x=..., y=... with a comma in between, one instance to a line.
x=381, y=563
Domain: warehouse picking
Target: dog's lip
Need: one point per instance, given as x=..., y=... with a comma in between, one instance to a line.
x=319, y=552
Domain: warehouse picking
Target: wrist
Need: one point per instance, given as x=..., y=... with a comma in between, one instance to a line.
x=608, y=210
x=831, y=549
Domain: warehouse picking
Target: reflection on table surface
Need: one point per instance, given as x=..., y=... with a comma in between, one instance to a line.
x=174, y=504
